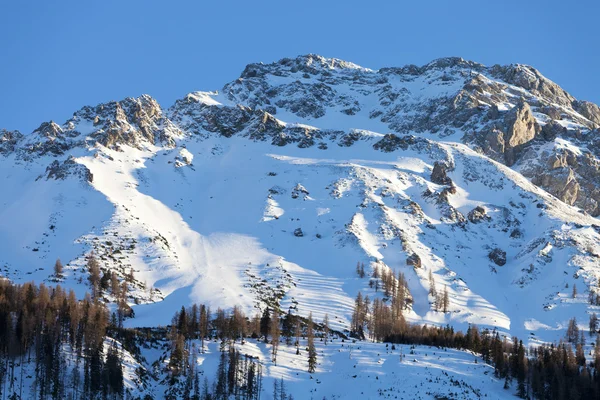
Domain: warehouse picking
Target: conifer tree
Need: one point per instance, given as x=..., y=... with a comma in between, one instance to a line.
x=312, y=351
x=445, y=300
x=325, y=328
x=297, y=333
x=94, y=278
x=275, y=334
x=58, y=269
x=593, y=325
x=265, y=324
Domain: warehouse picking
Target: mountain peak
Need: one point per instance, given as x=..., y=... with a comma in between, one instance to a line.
x=310, y=63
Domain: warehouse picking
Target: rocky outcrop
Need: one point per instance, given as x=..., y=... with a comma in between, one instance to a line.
x=48, y=138
x=439, y=174
x=132, y=122
x=520, y=127
x=561, y=182
x=589, y=110
x=552, y=130
x=414, y=260
x=533, y=81
x=298, y=191
x=507, y=135
x=498, y=256
x=9, y=140
x=478, y=214
x=569, y=175
x=61, y=170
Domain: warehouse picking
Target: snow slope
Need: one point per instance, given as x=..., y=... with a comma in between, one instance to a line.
x=220, y=201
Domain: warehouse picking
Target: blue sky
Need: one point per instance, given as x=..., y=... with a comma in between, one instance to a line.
x=56, y=56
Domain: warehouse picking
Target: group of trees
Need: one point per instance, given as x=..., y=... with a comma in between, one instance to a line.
x=440, y=302
x=66, y=340
x=545, y=372
x=198, y=323
x=380, y=317
x=105, y=282
x=63, y=337
x=393, y=287
x=593, y=298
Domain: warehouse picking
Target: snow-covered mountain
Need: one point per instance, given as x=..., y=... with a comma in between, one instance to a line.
x=275, y=187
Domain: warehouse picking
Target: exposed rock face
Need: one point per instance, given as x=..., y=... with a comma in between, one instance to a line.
x=498, y=110
x=552, y=130
x=571, y=176
x=439, y=175
x=520, y=128
x=133, y=122
x=532, y=80
x=48, y=138
x=561, y=182
x=298, y=232
x=589, y=110
x=507, y=134
x=57, y=170
x=9, y=140
x=498, y=256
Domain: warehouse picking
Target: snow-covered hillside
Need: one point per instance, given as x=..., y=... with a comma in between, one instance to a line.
x=273, y=189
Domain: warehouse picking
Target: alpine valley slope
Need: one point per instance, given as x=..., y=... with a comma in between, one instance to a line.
x=272, y=190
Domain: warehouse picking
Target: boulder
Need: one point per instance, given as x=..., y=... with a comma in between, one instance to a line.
x=298, y=232
x=414, y=260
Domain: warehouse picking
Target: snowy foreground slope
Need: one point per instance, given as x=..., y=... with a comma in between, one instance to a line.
x=369, y=371
x=273, y=189
x=346, y=370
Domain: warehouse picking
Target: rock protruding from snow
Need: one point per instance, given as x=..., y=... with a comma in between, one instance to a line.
x=498, y=256
x=478, y=214
x=414, y=260
x=439, y=174
x=61, y=170
x=298, y=191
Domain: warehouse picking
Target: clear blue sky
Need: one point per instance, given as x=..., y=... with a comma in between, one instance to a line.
x=56, y=56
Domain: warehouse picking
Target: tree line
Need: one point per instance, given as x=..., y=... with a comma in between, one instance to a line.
x=64, y=338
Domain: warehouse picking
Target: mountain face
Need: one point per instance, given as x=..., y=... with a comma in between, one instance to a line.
x=272, y=189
